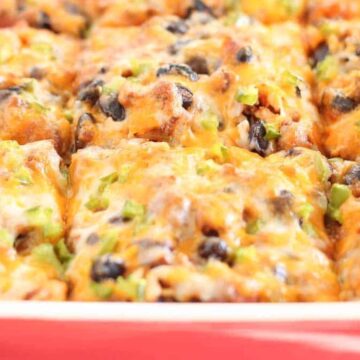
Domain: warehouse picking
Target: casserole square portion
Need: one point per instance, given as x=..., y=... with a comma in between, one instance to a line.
x=245, y=86
x=343, y=223
x=32, y=203
x=36, y=75
x=148, y=222
x=335, y=55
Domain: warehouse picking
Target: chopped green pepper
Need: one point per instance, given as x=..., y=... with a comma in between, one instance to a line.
x=248, y=95
x=133, y=209
x=338, y=195
x=271, y=132
x=45, y=253
x=40, y=217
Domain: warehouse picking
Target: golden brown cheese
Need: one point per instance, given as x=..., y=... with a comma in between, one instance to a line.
x=60, y=16
x=152, y=223
x=235, y=85
x=36, y=76
x=320, y=10
x=40, y=54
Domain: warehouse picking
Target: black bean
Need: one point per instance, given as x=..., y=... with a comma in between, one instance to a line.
x=200, y=6
x=199, y=65
x=357, y=50
x=6, y=93
x=283, y=202
x=106, y=267
x=177, y=46
x=257, y=133
x=177, y=27
x=353, y=175
x=177, y=69
x=244, y=55
x=186, y=95
x=73, y=9
x=44, y=21
x=90, y=91
x=209, y=231
x=166, y=299
x=213, y=247
x=110, y=106
x=22, y=242
x=344, y=104
x=37, y=73
x=320, y=53
x=83, y=119
x=92, y=239
x=292, y=152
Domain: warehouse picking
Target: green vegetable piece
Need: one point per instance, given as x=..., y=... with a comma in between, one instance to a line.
x=206, y=166
x=69, y=116
x=133, y=209
x=248, y=95
x=6, y=240
x=124, y=173
x=322, y=167
x=97, y=203
x=41, y=217
x=338, y=195
x=290, y=6
x=220, y=152
x=209, y=121
x=271, y=132
x=139, y=67
x=328, y=28
x=63, y=252
x=108, y=242
x=133, y=288
x=113, y=86
x=253, y=227
x=103, y=291
x=23, y=175
x=291, y=78
x=107, y=180
x=246, y=254
x=305, y=211
x=45, y=253
x=327, y=69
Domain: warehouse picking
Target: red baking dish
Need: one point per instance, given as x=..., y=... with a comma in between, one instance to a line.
x=179, y=331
